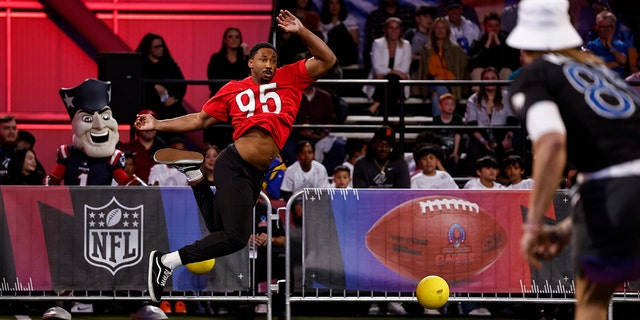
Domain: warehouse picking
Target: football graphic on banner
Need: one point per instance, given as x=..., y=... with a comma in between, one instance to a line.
x=442, y=235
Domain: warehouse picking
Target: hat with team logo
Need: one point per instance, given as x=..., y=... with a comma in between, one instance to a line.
x=385, y=133
x=91, y=95
x=544, y=25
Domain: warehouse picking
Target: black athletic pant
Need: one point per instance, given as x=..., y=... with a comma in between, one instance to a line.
x=229, y=213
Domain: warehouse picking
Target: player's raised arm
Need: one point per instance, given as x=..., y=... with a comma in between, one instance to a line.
x=323, y=58
x=187, y=123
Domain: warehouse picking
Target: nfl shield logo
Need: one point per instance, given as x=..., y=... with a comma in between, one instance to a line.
x=113, y=235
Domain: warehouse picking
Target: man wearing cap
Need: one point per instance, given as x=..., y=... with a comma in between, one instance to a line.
x=382, y=166
x=578, y=111
x=92, y=159
x=463, y=31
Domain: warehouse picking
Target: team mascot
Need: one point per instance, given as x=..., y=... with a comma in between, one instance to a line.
x=92, y=159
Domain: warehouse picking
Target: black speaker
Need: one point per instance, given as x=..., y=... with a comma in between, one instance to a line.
x=124, y=71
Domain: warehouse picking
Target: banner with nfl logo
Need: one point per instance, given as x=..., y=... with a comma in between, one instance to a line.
x=388, y=240
x=97, y=238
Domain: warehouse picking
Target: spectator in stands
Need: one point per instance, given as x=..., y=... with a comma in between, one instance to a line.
x=382, y=166
x=165, y=175
x=489, y=107
x=428, y=156
x=441, y=59
x=129, y=163
x=211, y=153
x=143, y=147
x=316, y=107
x=340, y=31
x=258, y=242
x=24, y=169
x=301, y=8
x=491, y=50
x=376, y=23
x=330, y=151
x=468, y=11
x=419, y=36
x=613, y=52
x=487, y=170
x=8, y=137
x=622, y=32
x=355, y=149
x=341, y=177
x=391, y=60
x=304, y=173
x=164, y=99
x=463, y=31
x=450, y=137
x=509, y=17
x=230, y=62
x=513, y=168
x=25, y=140
x=290, y=47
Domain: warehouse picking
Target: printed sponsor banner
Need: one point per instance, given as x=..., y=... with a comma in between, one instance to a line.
x=387, y=240
x=97, y=238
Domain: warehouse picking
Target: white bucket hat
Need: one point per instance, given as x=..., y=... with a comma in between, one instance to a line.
x=544, y=25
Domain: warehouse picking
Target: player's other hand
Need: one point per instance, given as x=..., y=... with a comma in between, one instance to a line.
x=288, y=22
x=145, y=122
x=545, y=242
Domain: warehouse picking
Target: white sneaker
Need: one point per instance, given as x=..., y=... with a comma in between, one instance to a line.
x=480, y=312
x=82, y=307
x=374, y=309
x=261, y=308
x=396, y=308
x=431, y=311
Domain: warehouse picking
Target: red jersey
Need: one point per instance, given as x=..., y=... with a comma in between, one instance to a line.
x=272, y=106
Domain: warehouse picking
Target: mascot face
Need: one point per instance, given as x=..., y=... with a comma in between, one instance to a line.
x=95, y=132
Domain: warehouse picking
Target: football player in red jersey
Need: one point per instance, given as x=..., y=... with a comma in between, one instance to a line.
x=261, y=108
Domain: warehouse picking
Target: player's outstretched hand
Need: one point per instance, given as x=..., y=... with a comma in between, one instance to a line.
x=145, y=122
x=545, y=242
x=288, y=22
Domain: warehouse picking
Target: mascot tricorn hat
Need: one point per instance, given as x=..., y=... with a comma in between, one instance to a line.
x=92, y=95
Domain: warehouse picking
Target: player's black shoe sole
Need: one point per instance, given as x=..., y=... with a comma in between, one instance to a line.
x=180, y=159
x=158, y=276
